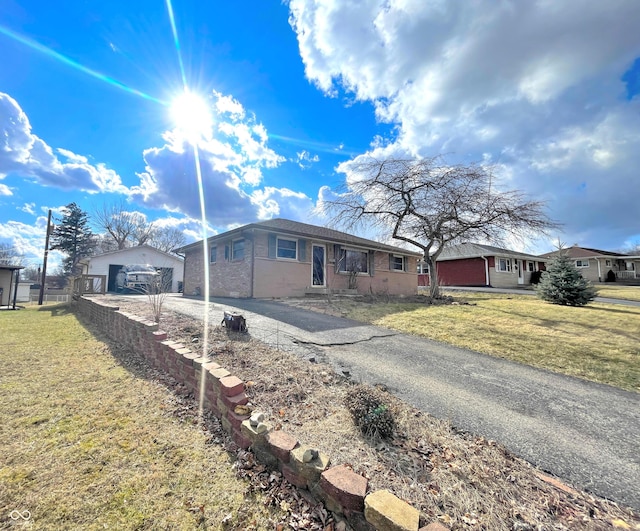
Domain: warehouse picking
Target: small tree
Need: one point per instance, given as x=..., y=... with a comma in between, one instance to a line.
x=73, y=236
x=563, y=284
x=156, y=294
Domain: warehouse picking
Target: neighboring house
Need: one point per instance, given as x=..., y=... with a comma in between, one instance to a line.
x=8, y=284
x=283, y=258
x=473, y=264
x=109, y=264
x=594, y=264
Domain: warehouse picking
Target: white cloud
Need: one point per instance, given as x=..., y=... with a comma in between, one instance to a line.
x=28, y=241
x=305, y=160
x=534, y=86
x=29, y=208
x=231, y=166
x=24, y=154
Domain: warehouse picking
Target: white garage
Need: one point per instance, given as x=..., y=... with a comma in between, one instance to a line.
x=170, y=266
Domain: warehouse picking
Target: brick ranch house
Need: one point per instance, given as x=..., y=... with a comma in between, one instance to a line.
x=283, y=258
x=594, y=264
x=473, y=264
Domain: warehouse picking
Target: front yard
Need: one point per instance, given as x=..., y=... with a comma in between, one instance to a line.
x=599, y=342
x=90, y=439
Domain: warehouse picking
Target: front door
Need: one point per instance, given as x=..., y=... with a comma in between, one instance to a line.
x=520, y=265
x=318, y=267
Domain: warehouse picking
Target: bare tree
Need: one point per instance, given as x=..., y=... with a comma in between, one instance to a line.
x=167, y=239
x=431, y=204
x=31, y=274
x=124, y=227
x=9, y=255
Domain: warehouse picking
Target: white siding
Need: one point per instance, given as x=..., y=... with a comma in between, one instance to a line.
x=99, y=265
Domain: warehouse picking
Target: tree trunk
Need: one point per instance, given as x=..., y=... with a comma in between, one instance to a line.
x=434, y=288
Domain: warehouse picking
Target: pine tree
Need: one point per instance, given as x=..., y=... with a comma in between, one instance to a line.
x=563, y=284
x=73, y=236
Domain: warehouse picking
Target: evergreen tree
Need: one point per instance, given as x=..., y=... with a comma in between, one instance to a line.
x=73, y=236
x=563, y=284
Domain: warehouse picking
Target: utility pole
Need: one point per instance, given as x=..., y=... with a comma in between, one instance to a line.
x=44, y=263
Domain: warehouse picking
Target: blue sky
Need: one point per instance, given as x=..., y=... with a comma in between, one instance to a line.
x=547, y=92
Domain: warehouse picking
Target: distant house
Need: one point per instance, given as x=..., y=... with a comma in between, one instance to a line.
x=109, y=264
x=474, y=264
x=283, y=258
x=595, y=264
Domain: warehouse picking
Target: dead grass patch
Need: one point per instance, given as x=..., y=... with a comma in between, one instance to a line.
x=629, y=293
x=91, y=439
x=464, y=481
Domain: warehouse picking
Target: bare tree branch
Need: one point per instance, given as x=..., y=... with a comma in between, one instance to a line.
x=431, y=204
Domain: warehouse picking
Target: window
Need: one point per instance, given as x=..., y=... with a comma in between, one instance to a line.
x=503, y=265
x=213, y=255
x=423, y=268
x=352, y=260
x=582, y=263
x=237, y=250
x=607, y=263
x=396, y=262
x=287, y=248
x=531, y=266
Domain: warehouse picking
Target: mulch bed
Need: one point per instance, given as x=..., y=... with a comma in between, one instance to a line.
x=458, y=479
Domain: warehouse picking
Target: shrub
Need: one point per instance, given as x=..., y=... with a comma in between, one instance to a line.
x=371, y=411
x=535, y=277
x=563, y=284
x=611, y=276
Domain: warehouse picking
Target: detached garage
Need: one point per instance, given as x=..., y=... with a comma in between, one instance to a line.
x=109, y=264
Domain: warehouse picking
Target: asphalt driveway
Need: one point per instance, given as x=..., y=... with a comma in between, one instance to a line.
x=588, y=434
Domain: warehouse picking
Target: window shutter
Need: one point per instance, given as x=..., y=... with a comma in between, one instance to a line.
x=302, y=250
x=405, y=263
x=227, y=251
x=372, y=255
x=390, y=262
x=272, y=245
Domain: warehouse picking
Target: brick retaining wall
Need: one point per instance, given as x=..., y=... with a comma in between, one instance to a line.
x=341, y=490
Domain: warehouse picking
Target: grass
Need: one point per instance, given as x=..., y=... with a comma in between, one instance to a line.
x=599, y=342
x=630, y=293
x=88, y=443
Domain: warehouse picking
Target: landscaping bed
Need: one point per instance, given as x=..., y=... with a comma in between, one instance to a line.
x=458, y=479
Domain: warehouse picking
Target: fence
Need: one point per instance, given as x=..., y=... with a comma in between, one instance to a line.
x=50, y=298
x=89, y=285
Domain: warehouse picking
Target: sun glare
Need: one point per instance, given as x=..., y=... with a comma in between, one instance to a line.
x=192, y=116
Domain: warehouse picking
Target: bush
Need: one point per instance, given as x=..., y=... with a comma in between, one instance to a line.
x=535, y=277
x=611, y=276
x=371, y=411
x=563, y=284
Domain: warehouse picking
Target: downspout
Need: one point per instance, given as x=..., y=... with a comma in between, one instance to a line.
x=486, y=270
x=15, y=289
x=599, y=272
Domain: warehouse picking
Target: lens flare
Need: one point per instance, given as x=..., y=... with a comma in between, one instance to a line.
x=34, y=45
x=185, y=107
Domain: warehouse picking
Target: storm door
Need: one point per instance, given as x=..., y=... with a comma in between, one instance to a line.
x=318, y=266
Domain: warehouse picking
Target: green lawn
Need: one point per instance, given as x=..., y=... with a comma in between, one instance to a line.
x=87, y=444
x=599, y=342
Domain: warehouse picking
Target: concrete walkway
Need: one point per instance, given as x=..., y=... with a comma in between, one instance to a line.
x=585, y=433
